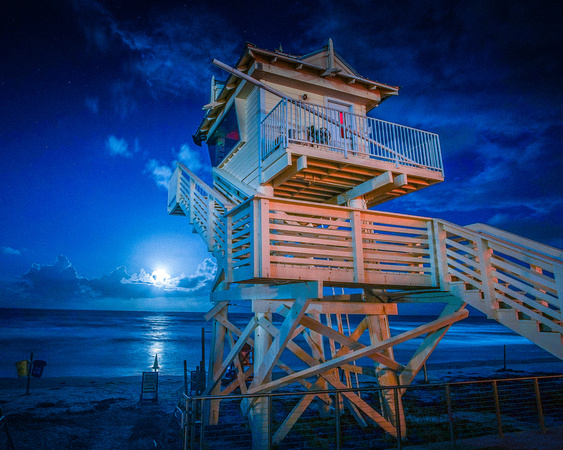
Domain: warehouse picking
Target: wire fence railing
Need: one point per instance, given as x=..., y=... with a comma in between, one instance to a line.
x=433, y=413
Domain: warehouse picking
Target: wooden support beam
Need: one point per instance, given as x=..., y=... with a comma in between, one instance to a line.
x=363, y=406
x=215, y=310
x=218, y=374
x=330, y=307
x=357, y=354
x=310, y=289
x=297, y=166
x=378, y=182
x=287, y=328
x=344, y=340
x=240, y=370
x=426, y=348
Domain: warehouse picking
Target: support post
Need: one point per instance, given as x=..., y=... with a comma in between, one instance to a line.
x=215, y=360
x=391, y=406
x=259, y=413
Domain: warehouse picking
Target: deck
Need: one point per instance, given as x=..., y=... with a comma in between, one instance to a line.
x=268, y=240
x=317, y=154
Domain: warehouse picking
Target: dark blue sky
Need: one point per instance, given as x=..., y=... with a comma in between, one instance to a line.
x=98, y=99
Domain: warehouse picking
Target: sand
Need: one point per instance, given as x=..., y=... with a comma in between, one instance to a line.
x=105, y=413
x=88, y=413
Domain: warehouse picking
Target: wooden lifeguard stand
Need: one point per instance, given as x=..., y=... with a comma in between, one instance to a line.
x=297, y=167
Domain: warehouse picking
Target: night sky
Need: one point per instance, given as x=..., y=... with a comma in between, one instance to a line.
x=98, y=99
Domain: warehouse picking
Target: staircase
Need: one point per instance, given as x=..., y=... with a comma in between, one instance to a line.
x=513, y=280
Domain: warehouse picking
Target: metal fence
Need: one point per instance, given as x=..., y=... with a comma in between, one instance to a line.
x=434, y=413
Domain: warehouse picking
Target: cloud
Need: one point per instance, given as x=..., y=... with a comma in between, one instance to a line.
x=170, y=54
x=59, y=285
x=9, y=251
x=93, y=104
x=160, y=173
x=194, y=159
x=117, y=146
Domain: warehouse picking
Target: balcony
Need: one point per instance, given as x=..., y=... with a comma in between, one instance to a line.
x=315, y=153
x=287, y=241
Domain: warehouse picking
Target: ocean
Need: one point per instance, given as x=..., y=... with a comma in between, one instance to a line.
x=124, y=343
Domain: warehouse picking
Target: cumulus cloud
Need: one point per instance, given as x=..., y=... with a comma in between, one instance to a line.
x=160, y=173
x=59, y=284
x=9, y=251
x=193, y=159
x=118, y=146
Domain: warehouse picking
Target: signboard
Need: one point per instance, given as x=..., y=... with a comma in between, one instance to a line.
x=149, y=387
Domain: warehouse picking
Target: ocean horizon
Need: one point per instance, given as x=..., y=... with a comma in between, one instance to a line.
x=124, y=343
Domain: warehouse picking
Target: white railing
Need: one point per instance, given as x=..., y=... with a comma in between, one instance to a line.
x=203, y=205
x=511, y=275
x=298, y=122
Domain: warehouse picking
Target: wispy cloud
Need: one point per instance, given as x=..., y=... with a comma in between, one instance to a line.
x=9, y=251
x=118, y=146
x=172, y=54
x=160, y=173
x=93, y=104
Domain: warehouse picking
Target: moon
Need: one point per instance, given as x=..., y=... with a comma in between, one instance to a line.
x=160, y=276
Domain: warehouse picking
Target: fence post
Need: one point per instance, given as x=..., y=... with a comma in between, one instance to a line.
x=186, y=424
x=397, y=419
x=192, y=424
x=202, y=426
x=450, y=413
x=269, y=422
x=497, y=409
x=539, y=405
x=337, y=412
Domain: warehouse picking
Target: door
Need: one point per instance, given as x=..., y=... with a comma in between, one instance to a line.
x=340, y=125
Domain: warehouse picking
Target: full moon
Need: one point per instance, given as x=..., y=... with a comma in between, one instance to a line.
x=160, y=276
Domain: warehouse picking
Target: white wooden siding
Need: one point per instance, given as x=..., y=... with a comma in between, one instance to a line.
x=243, y=164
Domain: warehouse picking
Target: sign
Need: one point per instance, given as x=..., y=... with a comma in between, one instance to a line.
x=149, y=387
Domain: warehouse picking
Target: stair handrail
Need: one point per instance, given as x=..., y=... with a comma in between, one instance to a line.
x=217, y=196
x=541, y=251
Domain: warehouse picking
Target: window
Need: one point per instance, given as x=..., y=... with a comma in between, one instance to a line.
x=225, y=137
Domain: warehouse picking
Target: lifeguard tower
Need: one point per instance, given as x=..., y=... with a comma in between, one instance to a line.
x=298, y=167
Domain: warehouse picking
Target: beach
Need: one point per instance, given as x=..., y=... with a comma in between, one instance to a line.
x=88, y=396
x=105, y=413
x=88, y=413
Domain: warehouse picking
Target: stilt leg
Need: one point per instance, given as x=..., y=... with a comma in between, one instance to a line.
x=211, y=416
x=378, y=327
x=259, y=413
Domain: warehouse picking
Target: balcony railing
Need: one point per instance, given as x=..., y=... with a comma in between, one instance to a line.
x=350, y=134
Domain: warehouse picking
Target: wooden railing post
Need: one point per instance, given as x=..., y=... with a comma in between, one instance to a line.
x=191, y=199
x=487, y=280
x=441, y=255
x=434, y=266
x=558, y=275
x=357, y=245
x=229, y=249
x=210, y=222
x=264, y=237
